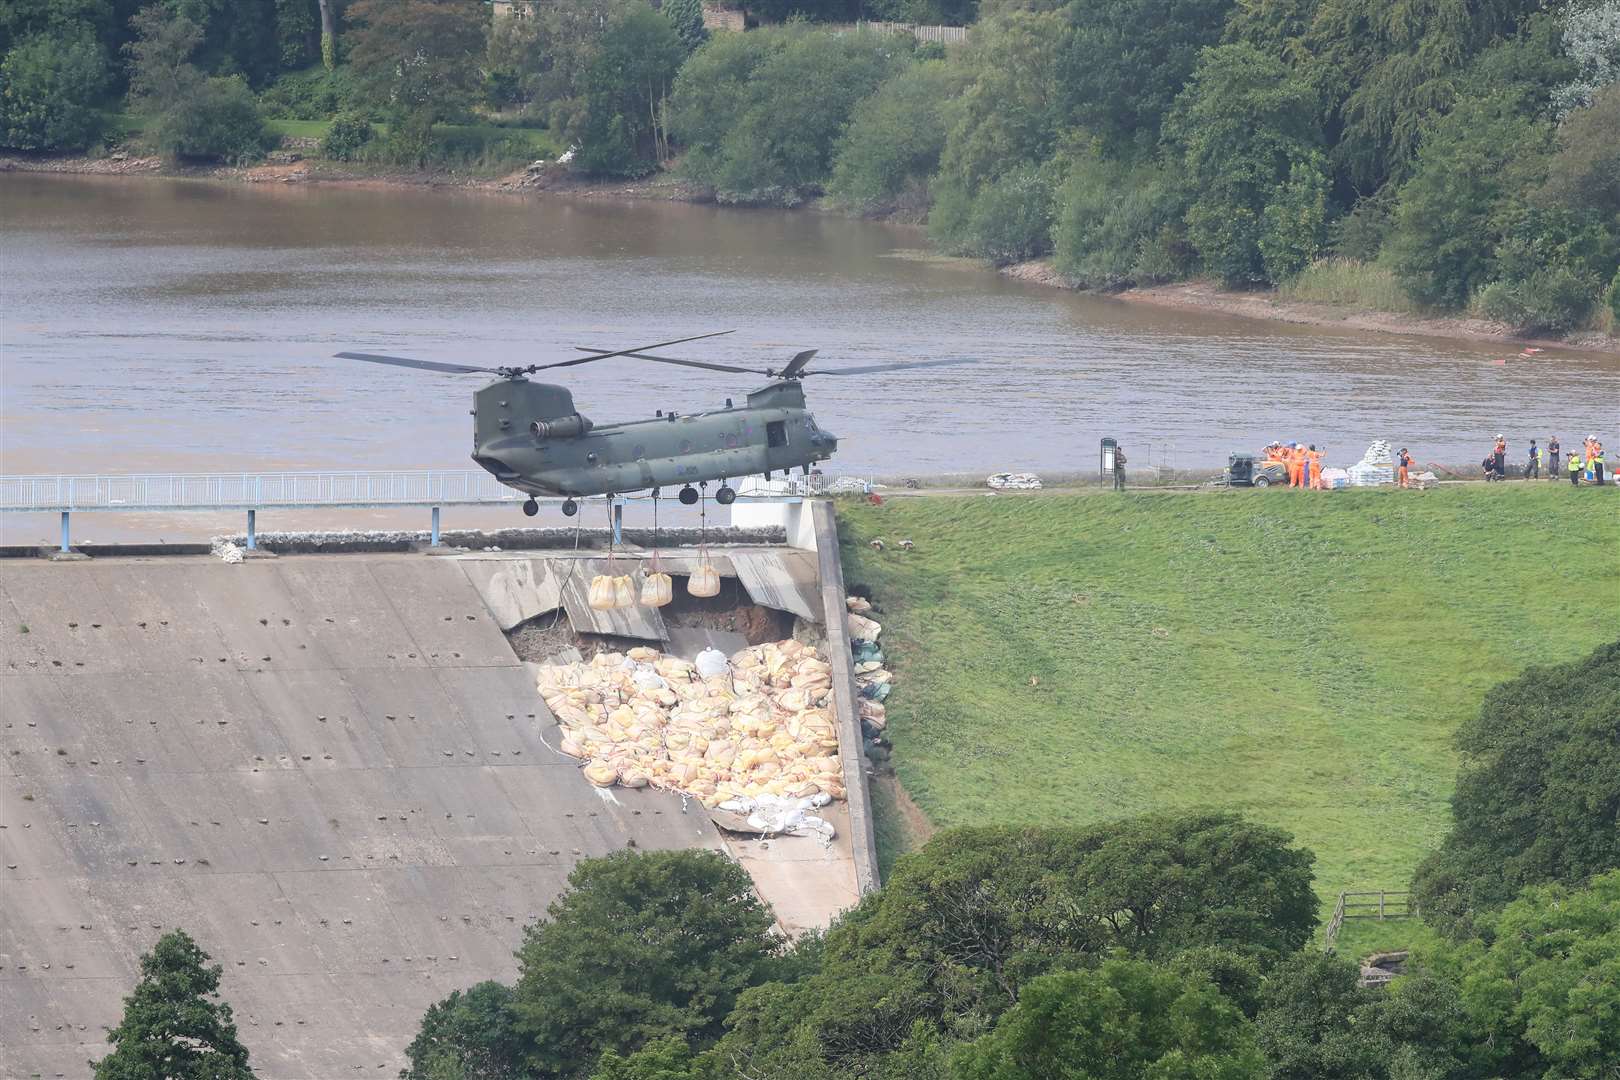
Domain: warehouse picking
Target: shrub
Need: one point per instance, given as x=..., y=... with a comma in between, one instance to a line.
x=1116, y=224
x=894, y=139
x=312, y=94
x=215, y=118
x=1294, y=222
x=349, y=132
x=1612, y=297
x=48, y=88
x=1552, y=300
x=1011, y=218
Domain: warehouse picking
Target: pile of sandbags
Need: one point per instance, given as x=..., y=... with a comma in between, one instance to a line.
x=609, y=591
x=1008, y=481
x=760, y=727
x=1376, y=467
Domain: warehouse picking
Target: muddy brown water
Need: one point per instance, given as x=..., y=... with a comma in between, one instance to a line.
x=167, y=325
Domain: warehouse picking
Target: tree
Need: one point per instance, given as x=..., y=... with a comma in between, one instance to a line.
x=1585, y=172
x=1125, y=63
x=1245, y=131
x=419, y=60
x=48, y=92
x=895, y=138
x=641, y=946
x=1118, y=223
x=1542, y=986
x=625, y=90
x=762, y=119
x=1304, y=1022
x=468, y=1036
x=1127, y=1020
x=686, y=16
x=1591, y=38
x=1316, y=1022
x=175, y=1026
x=662, y=1059
x=161, y=71
x=1537, y=794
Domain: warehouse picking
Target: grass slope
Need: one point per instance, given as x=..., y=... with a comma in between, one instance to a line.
x=1302, y=657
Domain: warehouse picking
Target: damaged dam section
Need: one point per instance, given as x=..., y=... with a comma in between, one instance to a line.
x=334, y=770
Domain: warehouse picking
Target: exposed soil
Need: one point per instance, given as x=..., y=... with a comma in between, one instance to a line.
x=541, y=638
x=1207, y=296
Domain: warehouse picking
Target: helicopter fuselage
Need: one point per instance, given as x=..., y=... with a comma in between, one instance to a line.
x=530, y=437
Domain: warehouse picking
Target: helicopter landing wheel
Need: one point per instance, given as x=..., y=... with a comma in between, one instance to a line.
x=726, y=495
x=570, y=508
x=530, y=508
x=689, y=495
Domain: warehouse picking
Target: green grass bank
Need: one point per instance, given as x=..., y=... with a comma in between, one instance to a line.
x=1303, y=657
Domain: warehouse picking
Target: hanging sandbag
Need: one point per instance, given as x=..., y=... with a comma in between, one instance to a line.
x=705, y=581
x=601, y=597
x=624, y=591
x=657, y=590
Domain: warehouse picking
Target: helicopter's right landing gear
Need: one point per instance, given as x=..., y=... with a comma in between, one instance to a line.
x=569, y=508
x=689, y=495
x=726, y=495
x=530, y=508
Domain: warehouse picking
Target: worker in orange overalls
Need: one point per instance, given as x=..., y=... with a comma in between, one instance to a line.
x=1313, y=459
x=1404, y=461
x=1293, y=457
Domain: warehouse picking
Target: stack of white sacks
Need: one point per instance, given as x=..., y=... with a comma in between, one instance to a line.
x=1376, y=467
x=756, y=727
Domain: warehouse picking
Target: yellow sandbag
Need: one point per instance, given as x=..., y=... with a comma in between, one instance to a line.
x=635, y=778
x=601, y=774
x=704, y=581
x=600, y=596
x=572, y=747
x=863, y=629
x=641, y=654
x=657, y=590
x=794, y=700
x=624, y=591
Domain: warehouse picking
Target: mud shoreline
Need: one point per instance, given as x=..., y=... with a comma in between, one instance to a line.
x=1204, y=295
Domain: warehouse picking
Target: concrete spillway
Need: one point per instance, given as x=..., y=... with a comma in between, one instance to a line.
x=331, y=770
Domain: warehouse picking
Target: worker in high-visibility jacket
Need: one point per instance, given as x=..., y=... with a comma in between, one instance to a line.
x=1296, y=464
x=1313, y=461
x=1575, y=468
x=1596, y=463
x=1402, y=474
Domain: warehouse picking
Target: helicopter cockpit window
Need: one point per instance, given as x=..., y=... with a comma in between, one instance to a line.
x=776, y=433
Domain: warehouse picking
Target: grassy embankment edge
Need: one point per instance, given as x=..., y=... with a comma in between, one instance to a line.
x=1302, y=657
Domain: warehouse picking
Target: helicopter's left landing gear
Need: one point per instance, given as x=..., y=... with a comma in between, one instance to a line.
x=726, y=495
x=569, y=508
x=530, y=508
x=689, y=495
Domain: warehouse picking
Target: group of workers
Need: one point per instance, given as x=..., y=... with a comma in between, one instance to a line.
x=1584, y=466
x=1303, y=463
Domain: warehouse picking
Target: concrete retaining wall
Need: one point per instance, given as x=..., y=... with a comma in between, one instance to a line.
x=863, y=833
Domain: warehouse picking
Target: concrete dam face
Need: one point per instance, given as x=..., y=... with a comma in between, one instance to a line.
x=331, y=770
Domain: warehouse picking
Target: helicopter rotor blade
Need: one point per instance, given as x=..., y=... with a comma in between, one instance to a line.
x=873, y=369
x=597, y=354
x=683, y=363
x=796, y=365
x=424, y=365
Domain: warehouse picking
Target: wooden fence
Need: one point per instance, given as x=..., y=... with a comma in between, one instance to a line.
x=1372, y=904
x=943, y=35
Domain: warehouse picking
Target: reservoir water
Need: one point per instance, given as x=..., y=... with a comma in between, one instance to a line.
x=162, y=325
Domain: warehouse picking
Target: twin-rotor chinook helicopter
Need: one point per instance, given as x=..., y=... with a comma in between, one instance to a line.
x=530, y=436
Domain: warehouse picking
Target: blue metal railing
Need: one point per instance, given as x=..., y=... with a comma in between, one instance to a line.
x=237, y=491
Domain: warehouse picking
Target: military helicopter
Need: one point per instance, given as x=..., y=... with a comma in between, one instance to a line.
x=530, y=436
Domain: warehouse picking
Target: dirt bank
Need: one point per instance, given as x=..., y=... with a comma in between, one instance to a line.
x=1207, y=296
x=293, y=168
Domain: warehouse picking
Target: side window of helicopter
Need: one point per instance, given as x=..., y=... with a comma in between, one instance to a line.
x=776, y=433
